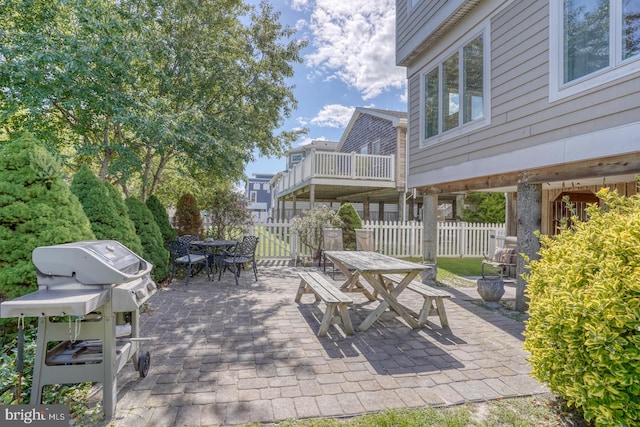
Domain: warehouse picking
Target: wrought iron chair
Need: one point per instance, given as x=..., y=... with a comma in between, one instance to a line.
x=243, y=253
x=181, y=255
x=331, y=241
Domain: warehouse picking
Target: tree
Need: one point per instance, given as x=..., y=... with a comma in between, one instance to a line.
x=154, y=250
x=228, y=211
x=36, y=209
x=484, y=207
x=188, y=219
x=162, y=219
x=105, y=209
x=136, y=85
x=351, y=221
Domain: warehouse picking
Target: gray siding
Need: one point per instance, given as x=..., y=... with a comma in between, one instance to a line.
x=521, y=114
x=366, y=131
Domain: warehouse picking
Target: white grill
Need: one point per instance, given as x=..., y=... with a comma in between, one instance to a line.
x=86, y=291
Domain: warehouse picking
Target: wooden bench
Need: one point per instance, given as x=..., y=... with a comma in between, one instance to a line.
x=315, y=283
x=433, y=298
x=504, y=258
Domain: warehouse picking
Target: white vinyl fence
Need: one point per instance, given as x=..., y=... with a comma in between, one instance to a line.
x=395, y=238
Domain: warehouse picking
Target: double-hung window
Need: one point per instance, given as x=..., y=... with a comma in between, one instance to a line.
x=592, y=42
x=454, y=92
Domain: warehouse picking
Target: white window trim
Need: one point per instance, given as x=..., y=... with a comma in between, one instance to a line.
x=559, y=90
x=464, y=128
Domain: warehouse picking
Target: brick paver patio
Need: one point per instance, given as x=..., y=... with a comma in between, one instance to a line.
x=223, y=354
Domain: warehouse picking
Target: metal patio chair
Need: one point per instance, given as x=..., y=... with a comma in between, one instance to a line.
x=181, y=255
x=243, y=253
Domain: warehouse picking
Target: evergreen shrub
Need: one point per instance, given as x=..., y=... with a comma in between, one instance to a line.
x=584, y=328
x=162, y=219
x=352, y=221
x=153, y=248
x=188, y=219
x=36, y=209
x=105, y=209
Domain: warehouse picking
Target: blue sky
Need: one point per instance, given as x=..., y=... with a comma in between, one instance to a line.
x=349, y=63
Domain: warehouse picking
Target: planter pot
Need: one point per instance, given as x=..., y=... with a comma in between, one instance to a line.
x=491, y=290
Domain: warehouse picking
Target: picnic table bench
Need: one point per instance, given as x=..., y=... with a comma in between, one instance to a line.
x=315, y=283
x=433, y=298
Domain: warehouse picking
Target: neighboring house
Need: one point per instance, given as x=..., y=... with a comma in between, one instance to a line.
x=536, y=98
x=366, y=168
x=258, y=192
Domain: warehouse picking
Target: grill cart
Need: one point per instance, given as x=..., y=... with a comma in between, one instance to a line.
x=88, y=308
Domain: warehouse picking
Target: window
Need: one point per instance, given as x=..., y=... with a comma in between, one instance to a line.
x=296, y=158
x=364, y=150
x=454, y=90
x=413, y=3
x=375, y=147
x=253, y=196
x=592, y=42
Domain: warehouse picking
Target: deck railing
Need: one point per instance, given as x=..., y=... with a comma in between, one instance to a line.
x=320, y=164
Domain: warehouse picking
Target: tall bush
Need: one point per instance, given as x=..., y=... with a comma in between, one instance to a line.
x=583, y=333
x=99, y=204
x=36, y=209
x=188, y=219
x=228, y=212
x=309, y=227
x=162, y=219
x=153, y=247
x=352, y=221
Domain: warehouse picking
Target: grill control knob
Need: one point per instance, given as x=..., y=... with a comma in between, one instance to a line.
x=140, y=293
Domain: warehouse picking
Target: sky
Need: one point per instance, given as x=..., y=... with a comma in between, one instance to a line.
x=349, y=62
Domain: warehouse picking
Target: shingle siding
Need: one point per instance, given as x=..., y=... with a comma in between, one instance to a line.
x=366, y=131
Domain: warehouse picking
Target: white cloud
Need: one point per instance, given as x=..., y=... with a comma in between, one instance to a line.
x=354, y=41
x=334, y=116
x=299, y=5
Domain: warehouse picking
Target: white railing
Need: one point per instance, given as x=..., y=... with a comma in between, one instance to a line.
x=395, y=238
x=320, y=164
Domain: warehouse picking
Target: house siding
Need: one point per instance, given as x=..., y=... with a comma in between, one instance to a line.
x=366, y=131
x=521, y=114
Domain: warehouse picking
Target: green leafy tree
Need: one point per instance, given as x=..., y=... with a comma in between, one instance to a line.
x=309, y=227
x=351, y=221
x=162, y=219
x=134, y=86
x=154, y=250
x=228, y=213
x=485, y=207
x=108, y=222
x=187, y=218
x=36, y=209
x=584, y=310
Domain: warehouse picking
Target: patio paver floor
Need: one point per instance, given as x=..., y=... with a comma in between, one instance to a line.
x=223, y=355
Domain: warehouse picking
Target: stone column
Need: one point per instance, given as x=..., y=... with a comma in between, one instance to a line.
x=312, y=195
x=529, y=213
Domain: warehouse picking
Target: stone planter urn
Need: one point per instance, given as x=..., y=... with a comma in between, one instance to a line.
x=491, y=290
x=428, y=277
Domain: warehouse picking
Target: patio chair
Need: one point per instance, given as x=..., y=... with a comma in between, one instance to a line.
x=243, y=253
x=181, y=255
x=364, y=240
x=331, y=241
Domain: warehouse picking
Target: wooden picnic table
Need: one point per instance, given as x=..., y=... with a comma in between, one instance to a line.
x=372, y=266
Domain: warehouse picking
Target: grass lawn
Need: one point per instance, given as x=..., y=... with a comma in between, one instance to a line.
x=532, y=411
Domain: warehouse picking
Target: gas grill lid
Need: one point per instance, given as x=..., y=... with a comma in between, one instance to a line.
x=91, y=262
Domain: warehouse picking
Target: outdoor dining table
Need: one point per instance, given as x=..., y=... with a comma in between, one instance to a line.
x=372, y=266
x=215, y=249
